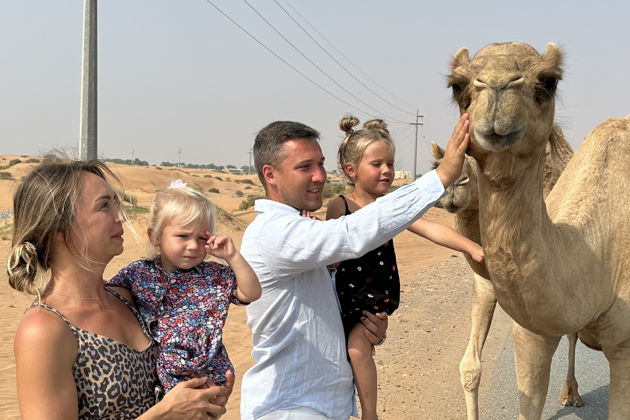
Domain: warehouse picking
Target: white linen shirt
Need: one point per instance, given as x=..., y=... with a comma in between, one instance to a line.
x=299, y=343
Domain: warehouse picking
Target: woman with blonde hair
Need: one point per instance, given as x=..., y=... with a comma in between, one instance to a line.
x=81, y=349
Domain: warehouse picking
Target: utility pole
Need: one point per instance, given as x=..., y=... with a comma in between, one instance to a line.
x=249, y=167
x=179, y=157
x=415, y=144
x=88, y=114
x=132, y=156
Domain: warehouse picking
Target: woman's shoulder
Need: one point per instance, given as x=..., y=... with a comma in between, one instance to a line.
x=44, y=330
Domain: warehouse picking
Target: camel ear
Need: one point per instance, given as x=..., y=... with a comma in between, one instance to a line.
x=436, y=151
x=460, y=58
x=553, y=55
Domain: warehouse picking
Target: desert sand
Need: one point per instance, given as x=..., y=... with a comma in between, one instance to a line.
x=418, y=364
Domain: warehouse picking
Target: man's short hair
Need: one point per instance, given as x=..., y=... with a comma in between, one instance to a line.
x=269, y=141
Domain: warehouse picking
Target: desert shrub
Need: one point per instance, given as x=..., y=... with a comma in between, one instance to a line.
x=238, y=193
x=127, y=198
x=248, y=202
x=6, y=175
x=332, y=190
x=5, y=231
x=11, y=163
x=248, y=187
x=133, y=210
x=207, y=176
x=244, y=181
x=158, y=168
x=219, y=178
x=214, y=190
x=32, y=160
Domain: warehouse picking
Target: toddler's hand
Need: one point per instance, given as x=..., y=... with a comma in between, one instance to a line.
x=220, y=247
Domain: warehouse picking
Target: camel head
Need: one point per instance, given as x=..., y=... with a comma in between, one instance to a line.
x=508, y=89
x=463, y=194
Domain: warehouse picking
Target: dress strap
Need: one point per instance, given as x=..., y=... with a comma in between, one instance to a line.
x=345, y=202
x=49, y=308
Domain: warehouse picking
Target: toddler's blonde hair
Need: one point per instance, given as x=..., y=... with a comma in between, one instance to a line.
x=182, y=203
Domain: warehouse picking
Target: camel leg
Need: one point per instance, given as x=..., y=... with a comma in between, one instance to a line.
x=482, y=309
x=619, y=360
x=570, y=394
x=533, y=354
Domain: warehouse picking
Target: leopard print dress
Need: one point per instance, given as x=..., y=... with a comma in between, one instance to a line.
x=113, y=380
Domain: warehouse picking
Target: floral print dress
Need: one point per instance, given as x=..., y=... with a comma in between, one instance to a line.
x=185, y=312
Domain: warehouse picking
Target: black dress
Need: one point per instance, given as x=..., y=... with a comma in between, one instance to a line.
x=369, y=283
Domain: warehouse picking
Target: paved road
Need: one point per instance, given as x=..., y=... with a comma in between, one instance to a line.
x=592, y=374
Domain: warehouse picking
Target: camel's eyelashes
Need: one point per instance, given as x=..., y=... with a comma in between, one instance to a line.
x=457, y=89
x=550, y=83
x=546, y=89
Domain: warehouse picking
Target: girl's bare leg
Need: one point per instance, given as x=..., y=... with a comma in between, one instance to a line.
x=360, y=352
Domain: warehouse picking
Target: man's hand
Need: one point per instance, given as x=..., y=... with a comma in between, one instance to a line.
x=450, y=167
x=375, y=326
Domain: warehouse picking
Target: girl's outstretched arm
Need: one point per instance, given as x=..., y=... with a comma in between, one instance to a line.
x=247, y=285
x=448, y=237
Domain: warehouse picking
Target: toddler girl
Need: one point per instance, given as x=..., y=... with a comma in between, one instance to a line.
x=182, y=299
x=371, y=282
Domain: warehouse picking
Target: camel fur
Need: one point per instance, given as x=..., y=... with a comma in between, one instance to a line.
x=559, y=266
x=462, y=199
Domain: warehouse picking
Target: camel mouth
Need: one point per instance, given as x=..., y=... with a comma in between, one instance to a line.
x=451, y=208
x=497, y=142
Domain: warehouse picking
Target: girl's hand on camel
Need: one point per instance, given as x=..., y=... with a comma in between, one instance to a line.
x=450, y=168
x=477, y=254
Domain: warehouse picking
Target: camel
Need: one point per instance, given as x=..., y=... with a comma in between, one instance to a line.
x=462, y=200
x=561, y=265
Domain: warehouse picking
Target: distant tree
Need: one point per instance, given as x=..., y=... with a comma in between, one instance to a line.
x=247, y=169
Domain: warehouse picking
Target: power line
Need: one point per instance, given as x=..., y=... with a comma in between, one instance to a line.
x=338, y=63
x=345, y=57
x=318, y=67
x=286, y=62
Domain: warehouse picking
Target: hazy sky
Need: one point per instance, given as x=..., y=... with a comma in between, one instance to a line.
x=178, y=74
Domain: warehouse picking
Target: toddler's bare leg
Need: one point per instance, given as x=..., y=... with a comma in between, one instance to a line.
x=360, y=352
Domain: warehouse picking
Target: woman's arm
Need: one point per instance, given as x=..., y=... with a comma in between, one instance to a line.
x=45, y=351
x=247, y=285
x=448, y=237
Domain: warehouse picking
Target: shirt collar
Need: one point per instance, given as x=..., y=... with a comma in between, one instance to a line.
x=262, y=205
x=158, y=263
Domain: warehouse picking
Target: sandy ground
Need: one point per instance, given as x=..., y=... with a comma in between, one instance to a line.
x=418, y=365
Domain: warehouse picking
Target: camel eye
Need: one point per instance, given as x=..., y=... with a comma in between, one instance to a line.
x=457, y=89
x=550, y=83
x=546, y=88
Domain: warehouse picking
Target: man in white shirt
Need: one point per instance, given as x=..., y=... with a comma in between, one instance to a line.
x=302, y=371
